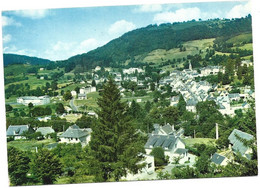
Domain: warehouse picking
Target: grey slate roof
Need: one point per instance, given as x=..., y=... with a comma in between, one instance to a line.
x=167, y=128
x=45, y=130
x=74, y=132
x=81, y=95
x=181, y=151
x=233, y=95
x=16, y=130
x=191, y=102
x=217, y=159
x=239, y=146
x=165, y=141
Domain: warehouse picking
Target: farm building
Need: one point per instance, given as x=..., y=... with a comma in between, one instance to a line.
x=42, y=100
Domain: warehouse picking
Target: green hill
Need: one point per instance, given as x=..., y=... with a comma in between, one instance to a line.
x=22, y=59
x=136, y=45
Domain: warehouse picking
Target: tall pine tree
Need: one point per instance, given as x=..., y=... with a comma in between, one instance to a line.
x=115, y=144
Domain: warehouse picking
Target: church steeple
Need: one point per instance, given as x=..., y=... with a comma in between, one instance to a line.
x=190, y=67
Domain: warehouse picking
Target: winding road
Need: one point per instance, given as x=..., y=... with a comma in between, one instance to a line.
x=73, y=107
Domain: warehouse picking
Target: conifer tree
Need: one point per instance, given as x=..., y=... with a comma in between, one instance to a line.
x=115, y=144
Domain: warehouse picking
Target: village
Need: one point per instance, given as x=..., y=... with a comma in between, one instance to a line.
x=173, y=142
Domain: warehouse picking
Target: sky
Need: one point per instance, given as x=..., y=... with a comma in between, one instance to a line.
x=58, y=34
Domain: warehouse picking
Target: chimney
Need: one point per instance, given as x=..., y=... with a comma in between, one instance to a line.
x=216, y=131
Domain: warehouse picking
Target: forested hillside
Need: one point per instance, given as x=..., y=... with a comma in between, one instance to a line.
x=22, y=59
x=165, y=36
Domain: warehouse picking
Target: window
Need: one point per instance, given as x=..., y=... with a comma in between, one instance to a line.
x=149, y=165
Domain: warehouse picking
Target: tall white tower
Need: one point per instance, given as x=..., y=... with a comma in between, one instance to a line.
x=190, y=67
x=216, y=131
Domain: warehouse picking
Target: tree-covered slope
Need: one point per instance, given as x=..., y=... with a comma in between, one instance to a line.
x=165, y=36
x=22, y=59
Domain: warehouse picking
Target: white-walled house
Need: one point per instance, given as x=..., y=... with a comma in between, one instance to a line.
x=147, y=170
x=76, y=135
x=16, y=131
x=73, y=93
x=173, y=146
x=82, y=96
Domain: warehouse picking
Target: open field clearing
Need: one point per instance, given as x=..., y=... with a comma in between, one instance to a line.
x=246, y=38
x=191, y=141
x=29, y=145
x=192, y=48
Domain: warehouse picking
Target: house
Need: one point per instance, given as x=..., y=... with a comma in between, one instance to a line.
x=118, y=79
x=82, y=96
x=163, y=130
x=219, y=159
x=246, y=63
x=17, y=131
x=45, y=130
x=175, y=100
x=42, y=100
x=235, y=140
x=234, y=96
x=82, y=90
x=149, y=169
x=73, y=93
x=132, y=70
x=138, y=100
x=191, y=105
x=173, y=146
x=76, y=135
x=97, y=68
x=45, y=119
x=210, y=70
x=90, y=89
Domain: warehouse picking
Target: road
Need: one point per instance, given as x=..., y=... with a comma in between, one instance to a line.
x=73, y=107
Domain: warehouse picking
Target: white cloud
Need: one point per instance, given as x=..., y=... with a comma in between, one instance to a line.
x=120, y=27
x=7, y=21
x=179, y=15
x=7, y=38
x=149, y=8
x=64, y=50
x=33, y=14
x=239, y=11
x=87, y=45
x=14, y=50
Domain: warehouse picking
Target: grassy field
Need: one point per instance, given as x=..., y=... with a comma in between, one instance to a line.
x=90, y=102
x=191, y=141
x=246, y=38
x=77, y=179
x=29, y=145
x=16, y=69
x=248, y=46
x=192, y=48
x=72, y=117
